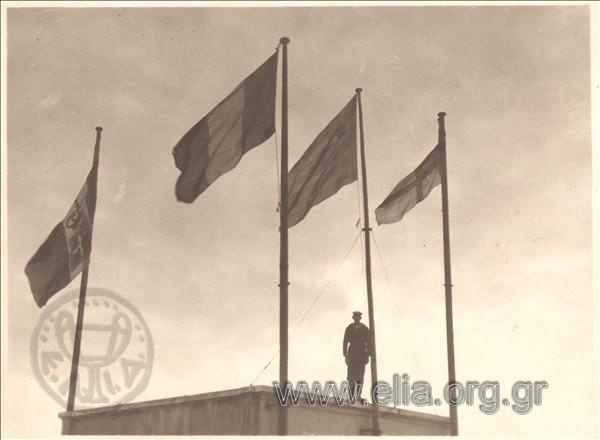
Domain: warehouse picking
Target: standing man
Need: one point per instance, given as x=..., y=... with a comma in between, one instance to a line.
x=357, y=350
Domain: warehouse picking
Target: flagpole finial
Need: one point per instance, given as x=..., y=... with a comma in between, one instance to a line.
x=98, y=129
x=441, y=114
x=358, y=90
x=284, y=40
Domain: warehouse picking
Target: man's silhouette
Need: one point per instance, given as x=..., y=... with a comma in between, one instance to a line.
x=356, y=350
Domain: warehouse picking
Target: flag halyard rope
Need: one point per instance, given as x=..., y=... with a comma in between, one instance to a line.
x=277, y=173
x=314, y=302
x=389, y=285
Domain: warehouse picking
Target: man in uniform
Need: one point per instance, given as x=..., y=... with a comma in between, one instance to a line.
x=356, y=350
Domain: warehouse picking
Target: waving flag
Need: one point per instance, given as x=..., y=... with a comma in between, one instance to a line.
x=67, y=249
x=216, y=144
x=327, y=165
x=412, y=189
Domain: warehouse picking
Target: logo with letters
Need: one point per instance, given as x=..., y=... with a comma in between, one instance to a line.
x=115, y=363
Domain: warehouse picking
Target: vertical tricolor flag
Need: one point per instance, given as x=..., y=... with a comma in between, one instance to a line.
x=327, y=165
x=412, y=189
x=67, y=249
x=216, y=144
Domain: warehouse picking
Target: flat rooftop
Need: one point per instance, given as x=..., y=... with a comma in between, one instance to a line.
x=250, y=410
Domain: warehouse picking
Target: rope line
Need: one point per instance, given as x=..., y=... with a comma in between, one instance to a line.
x=329, y=281
x=359, y=220
x=277, y=172
x=387, y=277
x=389, y=286
x=317, y=297
x=265, y=367
x=277, y=169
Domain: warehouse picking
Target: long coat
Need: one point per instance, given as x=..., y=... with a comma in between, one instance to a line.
x=356, y=347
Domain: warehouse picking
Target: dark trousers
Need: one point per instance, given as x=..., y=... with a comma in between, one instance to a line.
x=356, y=373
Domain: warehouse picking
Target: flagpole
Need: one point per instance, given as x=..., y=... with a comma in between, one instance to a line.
x=447, y=272
x=283, y=231
x=367, y=231
x=81, y=306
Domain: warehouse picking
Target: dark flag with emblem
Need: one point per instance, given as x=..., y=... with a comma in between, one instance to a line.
x=67, y=249
x=327, y=165
x=412, y=189
x=216, y=144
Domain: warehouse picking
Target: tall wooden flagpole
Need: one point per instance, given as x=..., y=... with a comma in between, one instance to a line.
x=447, y=272
x=81, y=306
x=283, y=231
x=367, y=232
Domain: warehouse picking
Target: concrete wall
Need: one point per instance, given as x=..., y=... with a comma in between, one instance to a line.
x=245, y=411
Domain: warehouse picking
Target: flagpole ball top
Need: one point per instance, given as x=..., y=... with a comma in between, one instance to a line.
x=358, y=90
x=284, y=40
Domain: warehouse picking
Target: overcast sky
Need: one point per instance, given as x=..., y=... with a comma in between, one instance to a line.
x=515, y=84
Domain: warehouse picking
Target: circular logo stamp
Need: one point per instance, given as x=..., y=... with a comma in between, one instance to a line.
x=115, y=362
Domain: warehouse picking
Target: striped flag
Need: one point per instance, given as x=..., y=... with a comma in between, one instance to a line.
x=327, y=165
x=216, y=144
x=67, y=249
x=412, y=189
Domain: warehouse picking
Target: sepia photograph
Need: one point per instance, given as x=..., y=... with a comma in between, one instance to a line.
x=300, y=218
